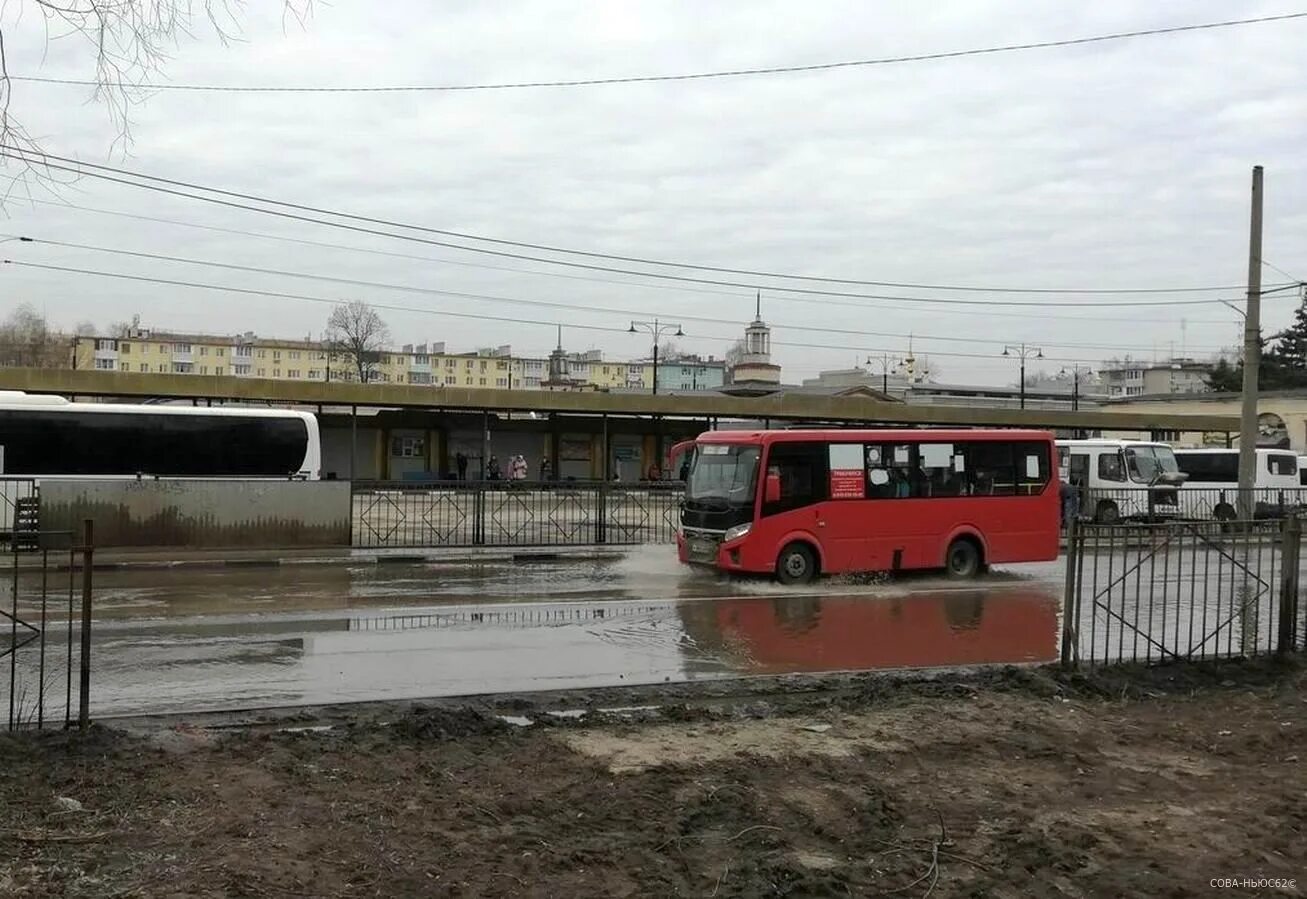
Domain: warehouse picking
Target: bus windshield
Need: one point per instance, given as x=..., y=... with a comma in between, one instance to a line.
x=723, y=474
x=1147, y=463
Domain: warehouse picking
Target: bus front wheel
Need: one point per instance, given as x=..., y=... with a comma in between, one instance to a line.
x=962, y=559
x=1107, y=512
x=796, y=564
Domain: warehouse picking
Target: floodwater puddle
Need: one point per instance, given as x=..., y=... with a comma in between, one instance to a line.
x=240, y=663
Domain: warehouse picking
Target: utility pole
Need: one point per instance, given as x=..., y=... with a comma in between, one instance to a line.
x=1252, y=354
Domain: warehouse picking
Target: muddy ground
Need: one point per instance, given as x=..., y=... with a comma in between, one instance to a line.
x=1011, y=783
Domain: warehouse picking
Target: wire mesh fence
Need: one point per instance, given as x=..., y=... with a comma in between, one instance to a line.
x=513, y=513
x=1168, y=591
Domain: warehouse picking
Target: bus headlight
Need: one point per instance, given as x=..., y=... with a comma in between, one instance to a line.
x=735, y=533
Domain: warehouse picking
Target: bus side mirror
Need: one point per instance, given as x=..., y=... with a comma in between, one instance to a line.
x=772, y=489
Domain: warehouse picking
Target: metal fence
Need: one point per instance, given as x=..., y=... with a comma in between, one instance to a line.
x=45, y=611
x=1182, y=590
x=1103, y=505
x=513, y=513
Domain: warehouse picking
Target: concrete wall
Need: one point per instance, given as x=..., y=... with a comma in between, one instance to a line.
x=202, y=514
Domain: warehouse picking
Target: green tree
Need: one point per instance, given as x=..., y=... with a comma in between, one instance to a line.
x=1291, y=347
x=1224, y=377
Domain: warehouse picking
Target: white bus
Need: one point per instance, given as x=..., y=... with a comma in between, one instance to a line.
x=47, y=437
x=1211, y=489
x=1122, y=479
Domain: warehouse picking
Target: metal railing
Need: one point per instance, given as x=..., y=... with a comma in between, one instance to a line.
x=1109, y=505
x=45, y=576
x=513, y=513
x=1182, y=590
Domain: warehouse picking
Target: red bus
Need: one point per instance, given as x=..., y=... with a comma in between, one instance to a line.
x=832, y=502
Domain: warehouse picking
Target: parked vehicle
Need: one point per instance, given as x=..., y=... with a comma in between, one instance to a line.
x=1122, y=480
x=1212, y=487
x=800, y=503
x=47, y=437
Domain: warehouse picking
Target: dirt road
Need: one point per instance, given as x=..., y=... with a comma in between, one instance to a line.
x=1012, y=783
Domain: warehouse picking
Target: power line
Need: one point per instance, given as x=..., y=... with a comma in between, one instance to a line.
x=588, y=278
x=80, y=168
x=247, y=291
x=45, y=162
x=693, y=76
x=355, y=282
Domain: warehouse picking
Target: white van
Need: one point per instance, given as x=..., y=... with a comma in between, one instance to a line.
x=1122, y=479
x=1211, y=490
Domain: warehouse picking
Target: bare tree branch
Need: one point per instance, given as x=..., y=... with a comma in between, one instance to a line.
x=130, y=41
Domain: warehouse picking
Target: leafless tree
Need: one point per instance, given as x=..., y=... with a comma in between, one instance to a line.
x=26, y=341
x=734, y=354
x=356, y=335
x=130, y=42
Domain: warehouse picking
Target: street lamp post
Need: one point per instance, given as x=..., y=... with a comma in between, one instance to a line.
x=1023, y=352
x=657, y=329
x=1076, y=371
x=886, y=362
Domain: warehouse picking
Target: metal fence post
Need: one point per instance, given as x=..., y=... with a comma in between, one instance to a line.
x=1291, y=545
x=84, y=689
x=601, y=510
x=479, y=515
x=1070, y=599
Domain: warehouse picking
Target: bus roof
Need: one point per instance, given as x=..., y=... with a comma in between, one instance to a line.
x=1110, y=442
x=849, y=435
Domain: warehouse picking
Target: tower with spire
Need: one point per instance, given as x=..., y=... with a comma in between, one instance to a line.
x=754, y=366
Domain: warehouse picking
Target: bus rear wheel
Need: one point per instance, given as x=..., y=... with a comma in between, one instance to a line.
x=962, y=559
x=796, y=564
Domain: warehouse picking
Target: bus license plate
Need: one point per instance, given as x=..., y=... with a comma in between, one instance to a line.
x=703, y=549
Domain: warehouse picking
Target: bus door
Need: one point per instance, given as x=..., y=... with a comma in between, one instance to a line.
x=805, y=505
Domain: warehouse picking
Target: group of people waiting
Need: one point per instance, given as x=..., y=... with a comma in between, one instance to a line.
x=517, y=469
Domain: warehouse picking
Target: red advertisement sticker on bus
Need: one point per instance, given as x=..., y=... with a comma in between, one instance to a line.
x=847, y=475
x=848, y=483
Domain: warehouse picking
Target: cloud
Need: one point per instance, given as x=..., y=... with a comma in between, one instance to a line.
x=1120, y=164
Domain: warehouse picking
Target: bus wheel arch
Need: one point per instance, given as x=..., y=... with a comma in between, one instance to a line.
x=798, y=562
x=965, y=556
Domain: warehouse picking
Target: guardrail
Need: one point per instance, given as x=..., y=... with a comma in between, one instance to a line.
x=513, y=513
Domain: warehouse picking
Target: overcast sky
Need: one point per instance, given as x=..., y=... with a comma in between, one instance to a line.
x=1123, y=164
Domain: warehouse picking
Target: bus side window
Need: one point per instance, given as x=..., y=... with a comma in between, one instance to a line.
x=990, y=469
x=1282, y=464
x=1110, y=467
x=805, y=475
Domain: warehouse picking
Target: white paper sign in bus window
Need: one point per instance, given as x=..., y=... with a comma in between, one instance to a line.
x=1032, y=467
x=847, y=475
x=936, y=455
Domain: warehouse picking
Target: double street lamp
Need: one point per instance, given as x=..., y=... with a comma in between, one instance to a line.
x=1023, y=352
x=886, y=363
x=657, y=329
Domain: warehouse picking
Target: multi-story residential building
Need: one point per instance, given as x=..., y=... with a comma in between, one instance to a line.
x=1128, y=377
x=690, y=372
x=145, y=351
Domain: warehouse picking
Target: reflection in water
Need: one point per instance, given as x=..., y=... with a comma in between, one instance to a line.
x=192, y=640
x=848, y=633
